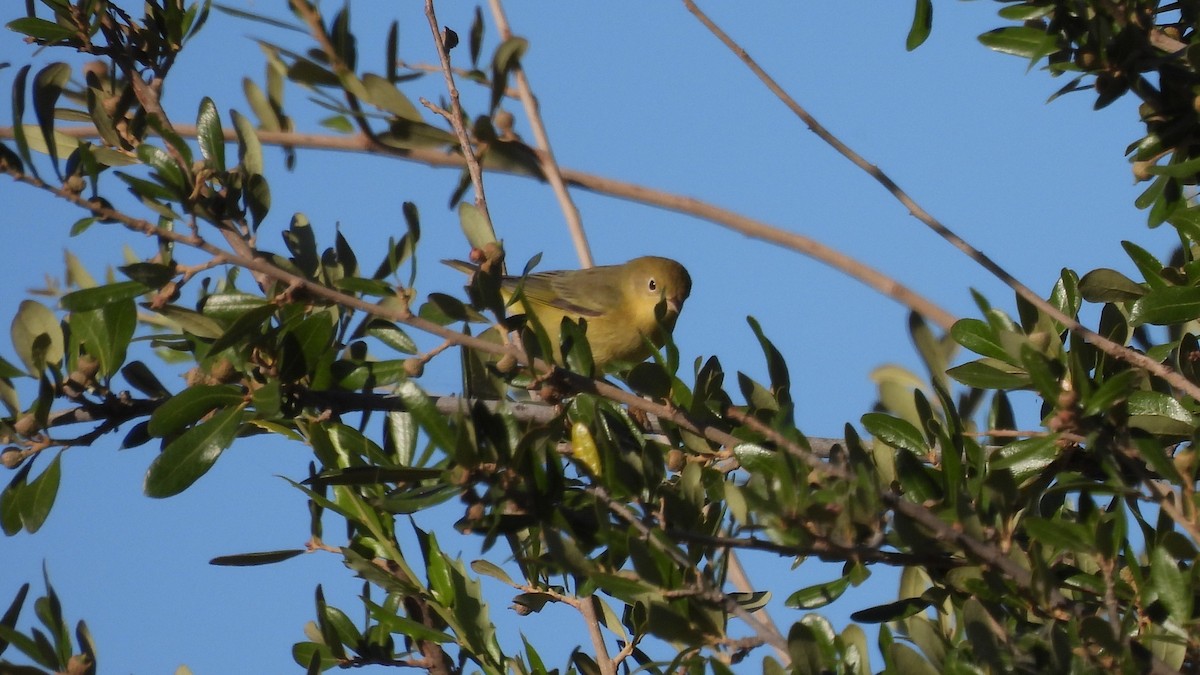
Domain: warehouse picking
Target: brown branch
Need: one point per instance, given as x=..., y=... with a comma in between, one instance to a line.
x=549, y=164
x=456, y=116
x=821, y=549
x=1102, y=343
x=755, y=229
x=573, y=381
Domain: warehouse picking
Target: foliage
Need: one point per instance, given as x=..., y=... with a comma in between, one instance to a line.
x=1072, y=549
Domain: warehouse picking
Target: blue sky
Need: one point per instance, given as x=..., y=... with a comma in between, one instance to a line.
x=640, y=92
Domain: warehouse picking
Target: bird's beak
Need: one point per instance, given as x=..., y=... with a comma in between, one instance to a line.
x=674, y=305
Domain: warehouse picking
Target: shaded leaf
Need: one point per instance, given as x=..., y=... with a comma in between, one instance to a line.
x=253, y=559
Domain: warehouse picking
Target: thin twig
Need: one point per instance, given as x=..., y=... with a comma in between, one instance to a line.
x=1102, y=343
x=691, y=206
x=456, y=115
x=549, y=165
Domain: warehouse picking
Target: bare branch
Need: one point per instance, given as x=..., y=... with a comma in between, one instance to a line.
x=456, y=115
x=549, y=165
x=1102, y=343
x=731, y=220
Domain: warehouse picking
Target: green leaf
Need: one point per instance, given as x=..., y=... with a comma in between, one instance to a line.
x=47, y=87
x=391, y=335
x=37, y=336
x=385, y=96
x=426, y=413
x=41, y=29
x=18, y=113
x=259, y=558
x=1025, y=41
x=819, y=595
x=105, y=333
x=249, y=147
x=101, y=296
x=895, y=432
x=191, y=322
x=402, y=625
x=1150, y=267
x=168, y=171
x=922, y=24
x=493, y=570
x=980, y=337
x=891, y=611
x=9, y=620
x=229, y=306
x=1172, y=586
x=990, y=373
x=1165, y=306
x=210, y=135
x=475, y=226
x=1159, y=413
x=1026, y=457
x=249, y=323
x=1106, y=285
x=190, y=456
x=1061, y=535
x=37, y=498
x=190, y=405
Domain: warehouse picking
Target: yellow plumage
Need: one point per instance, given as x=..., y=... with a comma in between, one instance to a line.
x=618, y=302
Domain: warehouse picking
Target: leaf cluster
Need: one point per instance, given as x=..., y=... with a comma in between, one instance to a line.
x=1068, y=548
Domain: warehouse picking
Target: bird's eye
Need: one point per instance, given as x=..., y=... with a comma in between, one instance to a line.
x=653, y=285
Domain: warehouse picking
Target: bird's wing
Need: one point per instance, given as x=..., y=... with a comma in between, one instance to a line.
x=587, y=293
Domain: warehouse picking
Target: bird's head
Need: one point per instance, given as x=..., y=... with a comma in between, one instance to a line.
x=653, y=280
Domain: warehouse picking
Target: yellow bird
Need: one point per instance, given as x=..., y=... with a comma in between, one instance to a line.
x=618, y=302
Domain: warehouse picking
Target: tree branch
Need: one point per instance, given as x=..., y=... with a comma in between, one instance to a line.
x=549, y=164
x=1102, y=343
x=755, y=229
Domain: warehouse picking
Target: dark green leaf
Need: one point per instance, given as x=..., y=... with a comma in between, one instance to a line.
x=192, y=454
x=990, y=374
x=1025, y=41
x=980, y=337
x=190, y=405
x=9, y=620
x=38, y=497
x=105, y=333
x=1165, y=306
x=1106, y=285
x=18, y=113
x=41, y=29
x=1026, y=457
x=895, y=432
x=47, y=87
x=922, y=23
x=101, y=296
x=1061, y=535
x=250, y=323
x=253, y=559
x=892, y=611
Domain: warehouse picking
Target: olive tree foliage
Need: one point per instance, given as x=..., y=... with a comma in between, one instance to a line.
x=1072, y=548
